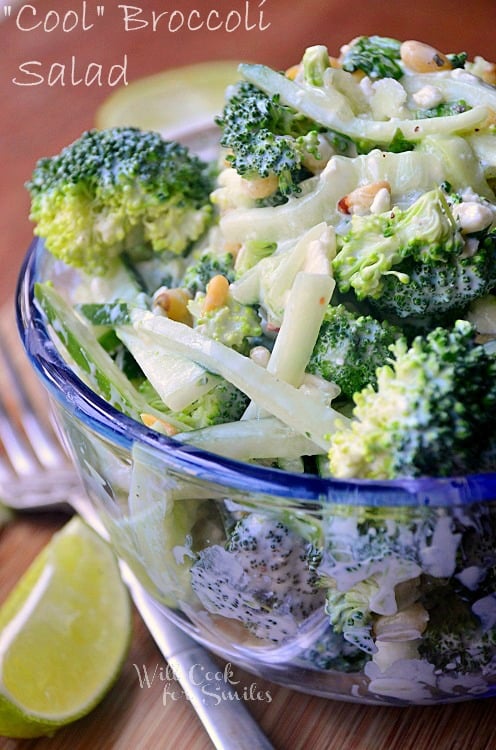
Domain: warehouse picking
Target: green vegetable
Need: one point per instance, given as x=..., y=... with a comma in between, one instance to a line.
x=176, y=380
x=222, y=403
x=265, y=138
x=456, y=639
x=117, y=190
x=423, y=290
x=106, y=313
x=462, y=166
x=349, y=614
x=432, y=413
x=349, y=349
x=164, y=525
x=445, y=109
x=453, y=87
x=250, y=439
x=315, y=63
x=270, y=281
x=251, y=253
x=409, y=173
x=333, y=651
x=334, y=112
x=90, y=360
x=233, y=324
x=262, y=578
x=376, y=243
x=377, y=56
x=300, y=326
x=300, y=411
x=457, y=59
x=204, y=268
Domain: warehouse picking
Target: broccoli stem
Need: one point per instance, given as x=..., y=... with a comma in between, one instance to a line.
x=329, y=111
x=300, y=411
x=91, y=362
x=266, y=438
x=407, y=172
x=162, y=514
x=315, y=63
x=177, y=380
x=303, y=316
x=453, y=88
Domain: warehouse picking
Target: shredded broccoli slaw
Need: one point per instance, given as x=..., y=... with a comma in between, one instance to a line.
x=319, y=300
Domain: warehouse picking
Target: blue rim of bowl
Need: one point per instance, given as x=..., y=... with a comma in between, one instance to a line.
x=85, y=405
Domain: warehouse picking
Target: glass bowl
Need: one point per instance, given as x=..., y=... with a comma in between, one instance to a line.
x=366, y=591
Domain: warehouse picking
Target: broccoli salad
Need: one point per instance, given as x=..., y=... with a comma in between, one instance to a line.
x=319, y=298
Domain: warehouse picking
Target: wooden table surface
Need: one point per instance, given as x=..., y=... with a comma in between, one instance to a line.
x=37, y=120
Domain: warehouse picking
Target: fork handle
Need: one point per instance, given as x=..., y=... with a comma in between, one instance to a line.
x=218, y=705
x=213, y=696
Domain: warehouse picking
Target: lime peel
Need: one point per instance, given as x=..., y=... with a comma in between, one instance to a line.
x=5, y=515
x=64, y=634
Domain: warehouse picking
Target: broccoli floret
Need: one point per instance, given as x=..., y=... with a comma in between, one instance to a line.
x=223, y=403
x=455, y=638
x=115, y=190
x=202, y=270
x=265, y=137
x=349, y=613
x=413, y=262
x=377, y=56
x=477, y=549
x=233, y=324
x=251, y=253
x=350, y=348
x=262, y=578
x=427, y=289
x=376, y=243
x=438, y=288
x=432, y=413
x=445, y=109
x=457, y=59
x=333, y=651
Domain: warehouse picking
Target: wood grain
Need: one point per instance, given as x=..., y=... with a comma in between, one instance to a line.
x=37, y=121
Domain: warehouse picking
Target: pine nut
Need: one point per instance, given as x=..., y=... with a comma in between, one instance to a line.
x=484, y=69
x=405, y=625
x=260, y=355
x=422, y=58
x=489, y=74
x=174, y=302
x=292, y=72
x=216, y=295
x=360, y=200
x=261, y=187
x=149, y=420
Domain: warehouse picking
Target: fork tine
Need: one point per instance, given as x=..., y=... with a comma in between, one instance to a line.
x=37, y=446
x=19, y=455
x=5, y=470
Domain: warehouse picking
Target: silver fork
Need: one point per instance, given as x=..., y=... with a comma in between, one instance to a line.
x=35, y=475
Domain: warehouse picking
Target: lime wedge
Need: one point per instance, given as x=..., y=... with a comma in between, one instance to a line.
x=186, y=98
x=64, y=634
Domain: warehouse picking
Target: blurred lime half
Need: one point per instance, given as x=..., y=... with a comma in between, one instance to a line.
x=5, y=515
x=173, y=102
